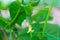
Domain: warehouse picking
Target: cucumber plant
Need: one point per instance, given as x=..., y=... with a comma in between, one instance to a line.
x=22, y=10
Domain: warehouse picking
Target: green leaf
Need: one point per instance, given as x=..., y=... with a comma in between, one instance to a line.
x=23, y=31
x=3, y=21
x=41, y=15
x=35, y=38
x=23, y=35
x=44, y=38
x=17, y=13
x=28, y=9
x=34, y=2
x=53, y=29
x=37, y=33
x=37, y=27
x=31, y=2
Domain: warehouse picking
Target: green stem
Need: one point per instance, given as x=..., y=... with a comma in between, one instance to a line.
x=10, y=34
x=30, y=35
x=44, y=28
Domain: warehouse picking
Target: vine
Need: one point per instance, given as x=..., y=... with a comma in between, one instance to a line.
x=35, y=30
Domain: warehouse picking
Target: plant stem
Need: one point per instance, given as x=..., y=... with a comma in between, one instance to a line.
x=44, y=28
x=30, y=35
x=11, y=38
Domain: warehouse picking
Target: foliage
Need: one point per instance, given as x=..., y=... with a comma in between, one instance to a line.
x=22, y=10
x=55, y=2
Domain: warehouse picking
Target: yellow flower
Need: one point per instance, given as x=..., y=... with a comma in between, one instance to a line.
x=30, y=29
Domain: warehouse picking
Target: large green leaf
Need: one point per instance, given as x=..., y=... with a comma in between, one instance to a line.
x=28, y=9
x=41, y=15
x=53, y=29
x=17, y=12
x=23, y=35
